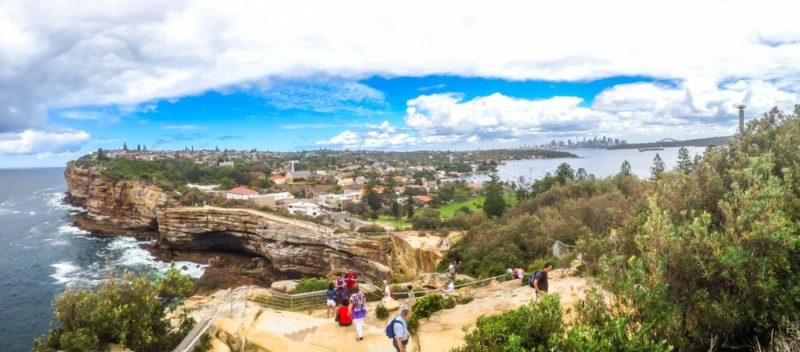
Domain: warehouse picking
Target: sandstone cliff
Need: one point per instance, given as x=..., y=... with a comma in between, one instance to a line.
x=288, y=248
x=126, y=206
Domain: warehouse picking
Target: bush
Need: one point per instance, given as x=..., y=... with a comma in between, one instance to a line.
x=372, y=228
x=381, y=312
x=311, y=284
x=79, y=340
x=174, y=285
x=426, y=219
x=122, y=310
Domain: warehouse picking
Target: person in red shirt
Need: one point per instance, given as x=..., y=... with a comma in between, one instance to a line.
x=350, y=280
x=343, y=314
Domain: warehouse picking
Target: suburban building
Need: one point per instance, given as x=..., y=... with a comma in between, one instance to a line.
x=226, y=164
x=304, y=208
x=272, y=200
x=204, y=188
x=241, y=193
x=278, y=179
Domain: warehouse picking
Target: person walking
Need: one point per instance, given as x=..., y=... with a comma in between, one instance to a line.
x=411, y=296
x=387, y=290
x=358, y=311
x=539, y=280
x=399, y=330
x=330, y=300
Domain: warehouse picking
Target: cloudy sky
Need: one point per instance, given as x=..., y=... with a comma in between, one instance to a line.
x=79, y=75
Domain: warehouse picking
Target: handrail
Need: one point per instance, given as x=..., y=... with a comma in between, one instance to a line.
x=190, y=340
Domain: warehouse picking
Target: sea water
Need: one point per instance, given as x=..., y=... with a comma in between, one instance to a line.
x=41, y=253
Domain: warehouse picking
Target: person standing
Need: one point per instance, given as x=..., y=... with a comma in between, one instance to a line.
x=540, y=280
x=341, y=293
x=400, y=330
x=411, y=296
x=330, y=300
x=451, y=270
x=387, y=290
x=350, y=280
x=358, y=311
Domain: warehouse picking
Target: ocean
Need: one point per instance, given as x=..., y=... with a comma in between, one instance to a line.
x=41, y=253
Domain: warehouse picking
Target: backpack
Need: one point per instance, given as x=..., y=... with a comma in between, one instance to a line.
x=532, y=278
x=390, y=328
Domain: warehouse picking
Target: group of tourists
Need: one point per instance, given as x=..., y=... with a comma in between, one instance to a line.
x=516, y=273
x=452, y=269
x=352, y=309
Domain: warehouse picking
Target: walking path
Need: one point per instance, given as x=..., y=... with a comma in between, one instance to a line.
x=243, y=323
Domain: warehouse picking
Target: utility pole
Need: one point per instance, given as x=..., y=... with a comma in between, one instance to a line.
x=741, y=118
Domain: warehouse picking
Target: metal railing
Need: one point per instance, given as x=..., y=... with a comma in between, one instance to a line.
x=316, y=299
x=301, y=301
x=193, y=337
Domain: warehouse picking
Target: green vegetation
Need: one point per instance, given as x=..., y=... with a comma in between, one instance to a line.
x=401, y=223
x=495, y=204
x=540, y=326
x=381, y=312
x=704, y=257
x=174, y=173
x=130, y=311
x=311, y=284
x=473, y=204
x=699, y=142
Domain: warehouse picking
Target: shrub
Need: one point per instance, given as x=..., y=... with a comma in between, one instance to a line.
x=381, y=312
x=310, y=285
x=174, y=284
x=426, y=219
x=372, y=228
x=122, y=310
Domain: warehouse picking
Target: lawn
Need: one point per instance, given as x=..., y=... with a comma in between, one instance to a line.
x=403, y=223
x=474, y=204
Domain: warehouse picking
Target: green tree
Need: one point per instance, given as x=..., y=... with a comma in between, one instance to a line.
x=125, y=146
x=658, y=167
x=101, y=155
x=396, y=211
x=685, y=163
x=495, y=203
x=409, y=206
x=138, y=147
x=564, y=173
x=426, y=219
x=582, y=175
x=625, y=170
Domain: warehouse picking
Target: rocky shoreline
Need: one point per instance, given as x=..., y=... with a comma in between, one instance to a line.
x=281, y=247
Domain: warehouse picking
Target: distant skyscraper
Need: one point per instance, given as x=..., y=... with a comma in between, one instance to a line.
x=741, y=118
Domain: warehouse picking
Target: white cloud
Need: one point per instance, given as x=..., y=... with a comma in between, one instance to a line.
x=58, y=54
x=42, y=142
x=184, y=127
x=384, y=136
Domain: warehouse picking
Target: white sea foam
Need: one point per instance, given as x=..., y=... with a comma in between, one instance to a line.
x=7, y=207
x=56, y=201
x=66, y=272
x=130, y=254
x=68, y=229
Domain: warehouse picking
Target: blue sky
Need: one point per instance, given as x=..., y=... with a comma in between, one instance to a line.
x=399, y=76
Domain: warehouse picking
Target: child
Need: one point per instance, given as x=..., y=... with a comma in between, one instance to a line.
x=330, y=300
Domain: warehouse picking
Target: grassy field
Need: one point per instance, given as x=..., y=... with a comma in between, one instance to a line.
x=403, y=223
x=474, y=204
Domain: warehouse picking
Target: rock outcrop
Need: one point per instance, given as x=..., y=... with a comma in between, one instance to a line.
x=124, y=204
x=413, y=254
x=288, y=248
x=289, y=245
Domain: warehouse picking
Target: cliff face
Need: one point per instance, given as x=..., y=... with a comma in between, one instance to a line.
x=290, y=246
x=413, y=254
x=126, y=204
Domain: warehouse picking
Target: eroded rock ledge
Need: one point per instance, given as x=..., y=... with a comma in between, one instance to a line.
x=135, y=206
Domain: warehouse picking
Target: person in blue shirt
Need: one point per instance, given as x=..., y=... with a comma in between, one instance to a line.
x=330, y=300
x=400, y=340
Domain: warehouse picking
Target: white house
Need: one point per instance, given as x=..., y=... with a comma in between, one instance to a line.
x=241, y=193
x=279, y=196
x=204, y=188
x=304, y=208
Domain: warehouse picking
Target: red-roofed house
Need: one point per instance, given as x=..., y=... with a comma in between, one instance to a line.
x=278, y=179
x=424, y=199
x=241, y=193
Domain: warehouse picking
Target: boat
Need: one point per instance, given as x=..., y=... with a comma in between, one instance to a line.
x=650, y=148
